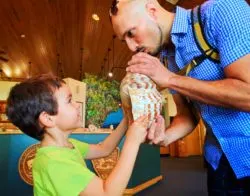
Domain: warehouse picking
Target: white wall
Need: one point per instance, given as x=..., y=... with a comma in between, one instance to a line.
x=5, y=87
x=78, y=90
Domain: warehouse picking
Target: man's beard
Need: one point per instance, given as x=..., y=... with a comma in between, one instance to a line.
x=160, y=45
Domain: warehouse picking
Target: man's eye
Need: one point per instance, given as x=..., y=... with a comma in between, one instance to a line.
x=130, y=34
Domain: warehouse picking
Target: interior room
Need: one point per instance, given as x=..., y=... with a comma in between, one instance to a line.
x=74, y=40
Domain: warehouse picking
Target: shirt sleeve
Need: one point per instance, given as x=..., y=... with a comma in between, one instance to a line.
x=66, y=177
x=231, y=30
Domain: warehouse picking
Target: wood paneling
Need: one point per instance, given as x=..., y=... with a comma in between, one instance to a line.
x=54, y=27
x=62, y=27
x=191, y=144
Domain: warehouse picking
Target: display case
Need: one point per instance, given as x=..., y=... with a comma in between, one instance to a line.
x=3, y=117
x=17, y=154
x=5, y=125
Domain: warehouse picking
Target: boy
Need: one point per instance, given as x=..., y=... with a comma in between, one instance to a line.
x=42, y=108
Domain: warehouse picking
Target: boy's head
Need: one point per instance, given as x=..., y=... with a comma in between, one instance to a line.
x=31, y=98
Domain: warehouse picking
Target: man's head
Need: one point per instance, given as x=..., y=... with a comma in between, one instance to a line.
x=140, y=24
x=29, y=99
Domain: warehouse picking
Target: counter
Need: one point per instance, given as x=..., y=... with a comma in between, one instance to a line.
x=146, y=171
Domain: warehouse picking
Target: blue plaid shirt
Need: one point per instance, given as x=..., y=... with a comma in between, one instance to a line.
x=227, y=28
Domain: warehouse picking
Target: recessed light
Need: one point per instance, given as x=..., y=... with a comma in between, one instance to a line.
x=110, y=74
x=7, y=72
x=95, y=17
x=22, y=35
x=17, y=71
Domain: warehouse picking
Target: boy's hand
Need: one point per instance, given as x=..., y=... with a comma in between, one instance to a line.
x=137, y=131
x=156, y=133
x=127, y=110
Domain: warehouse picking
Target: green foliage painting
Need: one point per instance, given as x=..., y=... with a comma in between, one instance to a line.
x=103, y=96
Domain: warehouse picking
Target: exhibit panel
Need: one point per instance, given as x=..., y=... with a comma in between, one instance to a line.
x=18, y=150
x=78, y=90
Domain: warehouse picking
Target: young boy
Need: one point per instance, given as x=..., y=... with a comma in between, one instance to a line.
x=42, y=108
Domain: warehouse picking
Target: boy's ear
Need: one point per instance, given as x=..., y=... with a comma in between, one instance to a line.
x=46, y=120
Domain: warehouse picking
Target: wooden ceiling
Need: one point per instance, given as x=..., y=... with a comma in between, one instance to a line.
x=60, y=36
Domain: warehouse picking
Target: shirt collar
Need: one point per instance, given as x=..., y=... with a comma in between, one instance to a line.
x=181, y=20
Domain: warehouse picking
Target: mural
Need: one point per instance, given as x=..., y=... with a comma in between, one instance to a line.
x=25, y=163
x=104, y=166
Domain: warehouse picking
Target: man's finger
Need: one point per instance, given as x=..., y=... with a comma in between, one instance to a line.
x=139, y=60
x=161, y=120
x=143, y=54
x=160, y=129
x=138, y=66
x=157, y=140
x=137, y=69
x=151, y=132
x=158, y=126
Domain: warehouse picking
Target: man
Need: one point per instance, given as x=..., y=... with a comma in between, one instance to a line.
x=219, y=90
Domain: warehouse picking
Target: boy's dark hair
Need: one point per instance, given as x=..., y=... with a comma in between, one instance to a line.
x=28, y=99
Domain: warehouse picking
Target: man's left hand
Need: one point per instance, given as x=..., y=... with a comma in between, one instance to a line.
x=156, y=133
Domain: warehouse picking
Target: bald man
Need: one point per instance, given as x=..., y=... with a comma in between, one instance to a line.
x=218, y=88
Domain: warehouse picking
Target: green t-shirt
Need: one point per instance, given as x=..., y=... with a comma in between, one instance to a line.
x=61, y=171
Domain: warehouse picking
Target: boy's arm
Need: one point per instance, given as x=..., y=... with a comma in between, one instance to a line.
x=108, y=145
x=117, y=181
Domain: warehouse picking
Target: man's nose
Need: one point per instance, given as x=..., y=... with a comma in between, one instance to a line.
x=76, y=104
x=131, y=45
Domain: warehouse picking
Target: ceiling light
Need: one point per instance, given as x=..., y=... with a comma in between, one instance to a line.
x=22, y=35
x=17, y=71
x=7, y=72
x=95, y=17
x=110, y=74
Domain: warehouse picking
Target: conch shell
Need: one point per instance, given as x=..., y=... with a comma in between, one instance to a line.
x=140, y=96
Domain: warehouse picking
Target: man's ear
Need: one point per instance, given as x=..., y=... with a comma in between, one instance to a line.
x=151, y=9
x=46, y=120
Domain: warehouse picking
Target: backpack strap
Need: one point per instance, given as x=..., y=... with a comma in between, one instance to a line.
x=207, y=51
x=200, y=37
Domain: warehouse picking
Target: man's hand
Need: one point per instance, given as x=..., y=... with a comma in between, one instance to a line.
x=150, y=66
x=156, y=133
